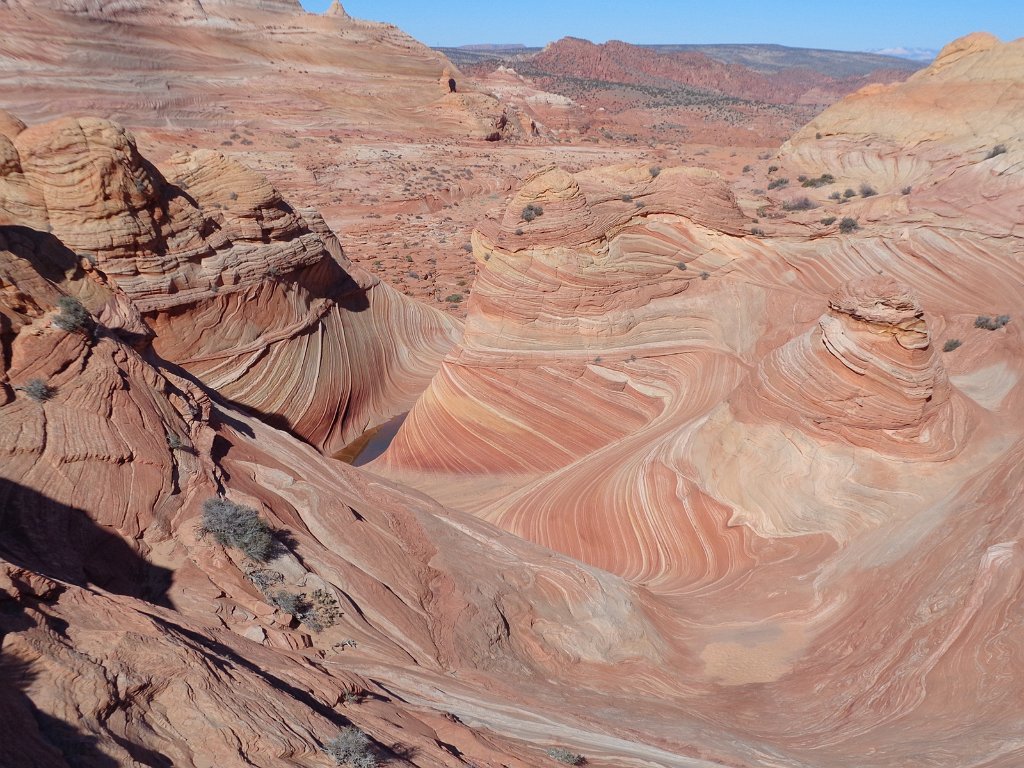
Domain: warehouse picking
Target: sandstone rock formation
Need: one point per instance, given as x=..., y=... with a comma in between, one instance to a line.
x=251, y=296
x=710, y=498
x=802, y=446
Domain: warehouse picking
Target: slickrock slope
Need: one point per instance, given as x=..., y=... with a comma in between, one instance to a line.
x=805, y=447
x=128, y=639
x=945, y=120
x=247, y=294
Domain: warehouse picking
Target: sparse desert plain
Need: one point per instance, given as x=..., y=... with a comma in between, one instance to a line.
x=632, y=406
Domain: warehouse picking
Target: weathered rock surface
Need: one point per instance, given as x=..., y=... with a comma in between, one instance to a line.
x=774, y=436
x=251, y=296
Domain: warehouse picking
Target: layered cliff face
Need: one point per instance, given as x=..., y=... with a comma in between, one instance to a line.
x=803, y=447
x=246, y=293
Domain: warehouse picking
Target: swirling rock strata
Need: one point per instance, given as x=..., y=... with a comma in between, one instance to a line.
x=251, y=295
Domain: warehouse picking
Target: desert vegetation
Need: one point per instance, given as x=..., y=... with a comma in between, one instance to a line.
x=237, y=526
x=353, y=748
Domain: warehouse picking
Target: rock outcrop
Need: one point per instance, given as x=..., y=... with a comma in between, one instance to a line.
x=250, y=295
x=802, y=447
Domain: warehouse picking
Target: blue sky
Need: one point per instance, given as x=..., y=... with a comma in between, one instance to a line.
x=852, y=25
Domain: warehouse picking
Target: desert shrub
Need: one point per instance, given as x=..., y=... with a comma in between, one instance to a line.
x=991, y=324
x=519, y=231
x=640, y=204
x=627, y=198
x=654, y=170
x=906, y=190
x=757, y=231
x=73, y=315
x=829, y=221
x=467, y=247
x=321, y=611
x=772, y=168
x=238, y=526
x=747, y=169
x=951, y=344
x=998, y=149
x=837, y=195
x=291, y=603
x=799, y=204
x=705, y=275
x=38, y=390
x=821, y=181
x=681, y=265
x=351, y=747
x=454, y=298
x=849, y=193
x=778, y=183
x=866, y=190
x=233, y=196
x=801, y=178
x=531, y=212
x=848, y=225
x=563, y=755
x=265, y=578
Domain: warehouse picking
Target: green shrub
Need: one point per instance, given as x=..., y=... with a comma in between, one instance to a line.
x=351, y=747
x=73, y=315
x=565, y=756
x=951, y=344
x=848, y=225
x=238, y=526
x=38, y=390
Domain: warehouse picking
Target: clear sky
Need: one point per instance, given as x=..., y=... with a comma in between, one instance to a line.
x=855, y=25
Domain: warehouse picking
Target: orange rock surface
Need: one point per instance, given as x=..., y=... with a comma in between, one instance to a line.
x=774, y=435
x=678, y=494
